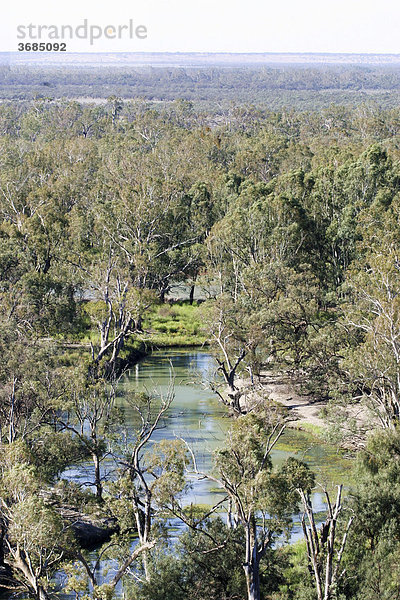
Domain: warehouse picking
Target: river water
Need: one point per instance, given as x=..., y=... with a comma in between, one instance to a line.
x=198, y=417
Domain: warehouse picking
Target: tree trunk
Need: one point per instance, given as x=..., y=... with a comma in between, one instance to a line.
x=139, y=323
x=42, y=594
x=252, y=564
x=143, y=525
x=97, y=477
x=191, y=295
x=253, y=581
x=21, y=563
x=234, y=394
x=2, y=535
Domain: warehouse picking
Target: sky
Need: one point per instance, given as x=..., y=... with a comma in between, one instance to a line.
x=350, y=26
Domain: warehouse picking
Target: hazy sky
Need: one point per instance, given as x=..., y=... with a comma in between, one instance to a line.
x=364, y=26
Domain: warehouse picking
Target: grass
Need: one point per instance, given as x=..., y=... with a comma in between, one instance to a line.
x=316, y=430
x=174, y=325
x=165, y=326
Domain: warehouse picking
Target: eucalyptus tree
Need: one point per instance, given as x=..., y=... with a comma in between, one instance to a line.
x=372, y=362
x=155, y=207
x=226, y=327
x=36, y=540
x=149, y=472
x=88, y=412
x=325, y=548
x=260, y=499
x=115, y=306
x=370, y=561
x=31, y=385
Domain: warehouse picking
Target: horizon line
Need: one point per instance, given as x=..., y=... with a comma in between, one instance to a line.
x=274, y=52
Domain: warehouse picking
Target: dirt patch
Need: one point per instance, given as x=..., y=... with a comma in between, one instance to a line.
x=284, y=389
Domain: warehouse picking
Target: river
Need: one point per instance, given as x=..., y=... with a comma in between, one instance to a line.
x=198, y=417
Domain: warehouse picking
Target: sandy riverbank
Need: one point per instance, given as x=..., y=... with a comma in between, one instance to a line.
x=280, y=387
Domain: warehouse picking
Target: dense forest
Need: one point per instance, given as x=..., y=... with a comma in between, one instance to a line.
x=306, y=86
x=285, y=225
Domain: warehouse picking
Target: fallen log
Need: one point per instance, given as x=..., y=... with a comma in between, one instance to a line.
x=89, y=531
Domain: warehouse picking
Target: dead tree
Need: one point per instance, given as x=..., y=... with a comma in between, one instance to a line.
x=324, y=551
x=228, y=366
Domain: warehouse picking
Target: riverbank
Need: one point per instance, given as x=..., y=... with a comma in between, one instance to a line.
x=304, y=410
x=165, y=326
x=169, y=325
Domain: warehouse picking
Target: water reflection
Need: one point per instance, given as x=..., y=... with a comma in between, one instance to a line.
x=202, y=421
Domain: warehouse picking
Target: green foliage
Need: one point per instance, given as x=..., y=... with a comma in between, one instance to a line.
x=179, y=324
x=246, y=465
x=53, y=452
x=205, y=565
x=169, y=458
x=288, y=222
x=35, y=526
x=297, y=581
x=373, y=551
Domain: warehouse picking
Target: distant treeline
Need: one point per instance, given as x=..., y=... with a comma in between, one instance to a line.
x=301, y=86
